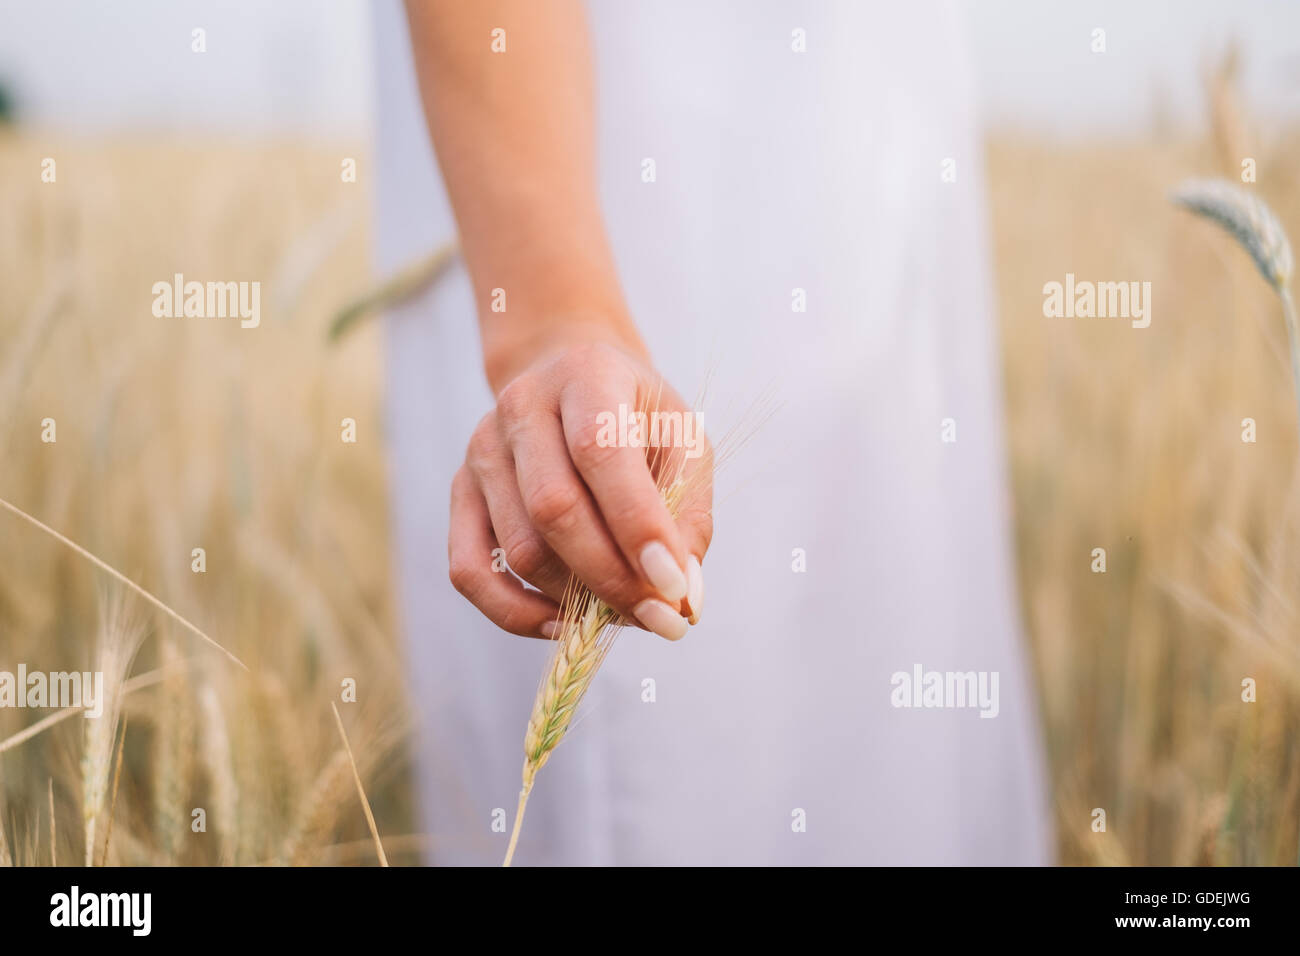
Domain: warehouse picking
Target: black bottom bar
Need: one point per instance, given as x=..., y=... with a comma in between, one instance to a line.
x=434, y=907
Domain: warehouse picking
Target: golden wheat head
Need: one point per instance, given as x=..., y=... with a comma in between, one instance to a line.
x=588, y=627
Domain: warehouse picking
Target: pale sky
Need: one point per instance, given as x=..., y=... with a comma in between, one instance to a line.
x=304, y=65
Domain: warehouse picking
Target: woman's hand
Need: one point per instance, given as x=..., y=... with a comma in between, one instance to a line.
x=515, y=139
x=552, y=479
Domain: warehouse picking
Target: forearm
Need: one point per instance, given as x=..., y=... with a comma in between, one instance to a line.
x=515, y=136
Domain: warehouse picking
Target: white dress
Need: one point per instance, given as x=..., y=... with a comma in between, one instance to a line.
x=773, y=736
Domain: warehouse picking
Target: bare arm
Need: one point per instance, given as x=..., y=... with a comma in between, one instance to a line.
x=514, y=134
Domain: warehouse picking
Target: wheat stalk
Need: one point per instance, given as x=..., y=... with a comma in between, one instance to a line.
x=1250, y=221
x=1260, y=233
x=361, y=791
x=112, y=798
x=54, y=859
x=587, y=630
x=6, y=859
x=147, y=679
x=119, y=576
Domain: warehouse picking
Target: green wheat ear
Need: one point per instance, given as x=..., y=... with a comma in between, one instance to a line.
x=1260, y=233
x=404, y=285
x=1251, y=223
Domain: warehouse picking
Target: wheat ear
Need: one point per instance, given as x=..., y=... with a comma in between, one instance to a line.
x=411, y=280
x=147, y=679
x=1260, y=233
x=587, y=630
x=319, y=808
x=588, y=627
x=118, y=640
x=214, y=747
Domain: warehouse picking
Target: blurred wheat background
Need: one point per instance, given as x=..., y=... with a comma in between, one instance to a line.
x=180, y=434
x=177, y=434
x=1131, y=440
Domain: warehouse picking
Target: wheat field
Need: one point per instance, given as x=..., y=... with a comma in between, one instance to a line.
x=1131, y=440
x=175, y=434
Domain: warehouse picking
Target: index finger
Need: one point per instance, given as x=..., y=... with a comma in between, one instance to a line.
x=599, y=419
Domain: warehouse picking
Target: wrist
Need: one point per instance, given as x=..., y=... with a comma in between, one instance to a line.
x=509, y=349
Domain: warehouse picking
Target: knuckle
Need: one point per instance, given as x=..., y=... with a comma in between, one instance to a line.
x=526, y=556
x=638, y=520
x=554, y=506
x=589, y=449
x=465, y=577
x=514, y=401
x=516, y=620
x=482, y=440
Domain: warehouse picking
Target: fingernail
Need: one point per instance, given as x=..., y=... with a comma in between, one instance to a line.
x=660, y=618
x=548, y=630
x=662, y=571
x=694, y=588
